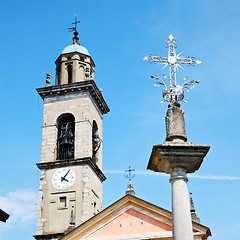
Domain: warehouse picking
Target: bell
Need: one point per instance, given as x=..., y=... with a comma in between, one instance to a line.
x=66, y=137
x=66, y=141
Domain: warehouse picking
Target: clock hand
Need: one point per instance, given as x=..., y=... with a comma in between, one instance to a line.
x=64, y=177
x=66, y=173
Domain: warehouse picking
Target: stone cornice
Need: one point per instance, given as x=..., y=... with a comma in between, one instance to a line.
x=73, y=162
x=77, y=87
x=168, y=156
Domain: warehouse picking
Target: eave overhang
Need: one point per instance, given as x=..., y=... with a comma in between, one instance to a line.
x=77, y=87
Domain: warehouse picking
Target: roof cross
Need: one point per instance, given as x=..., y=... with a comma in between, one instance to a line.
x=173, y=60
x=130, y=176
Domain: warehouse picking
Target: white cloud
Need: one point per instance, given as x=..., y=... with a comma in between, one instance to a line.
x=21, y=205
x=205, y=176
x=215, y=177
x=25, y=195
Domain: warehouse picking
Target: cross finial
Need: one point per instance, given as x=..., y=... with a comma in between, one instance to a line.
x=74, y=30
x=175, y=93
x=130, y=176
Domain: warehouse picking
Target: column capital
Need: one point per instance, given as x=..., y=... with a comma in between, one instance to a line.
x=177, y=174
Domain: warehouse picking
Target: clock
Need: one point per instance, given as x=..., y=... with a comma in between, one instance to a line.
x=63, y=178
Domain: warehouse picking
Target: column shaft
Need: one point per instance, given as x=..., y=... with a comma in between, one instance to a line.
x=181, y=216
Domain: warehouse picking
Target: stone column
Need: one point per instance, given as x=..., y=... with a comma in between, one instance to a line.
x=74, y=71
x=62, y=79
x=81, y=73
x=181, y=216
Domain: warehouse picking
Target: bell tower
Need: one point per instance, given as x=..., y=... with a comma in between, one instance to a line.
x=71, y=177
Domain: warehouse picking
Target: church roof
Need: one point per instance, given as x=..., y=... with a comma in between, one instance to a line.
x=75, y=48
x=131, y=218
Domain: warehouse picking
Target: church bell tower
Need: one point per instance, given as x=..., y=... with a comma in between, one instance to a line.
x=71, y=177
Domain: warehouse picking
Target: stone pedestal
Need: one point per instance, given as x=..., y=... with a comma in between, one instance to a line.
x=177, y=158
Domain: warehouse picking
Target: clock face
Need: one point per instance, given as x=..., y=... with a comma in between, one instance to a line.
x=63, y=178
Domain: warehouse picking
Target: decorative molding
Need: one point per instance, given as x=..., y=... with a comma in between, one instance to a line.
x=67, y=89
x=165, y=157
x=73, y=162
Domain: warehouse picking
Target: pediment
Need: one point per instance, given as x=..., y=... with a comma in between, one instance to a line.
x=131, y=222
x=129, y=218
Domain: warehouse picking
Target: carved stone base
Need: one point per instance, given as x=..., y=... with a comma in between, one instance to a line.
x=167, y=156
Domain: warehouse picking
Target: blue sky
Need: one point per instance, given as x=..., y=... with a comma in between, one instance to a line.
x=118, y=34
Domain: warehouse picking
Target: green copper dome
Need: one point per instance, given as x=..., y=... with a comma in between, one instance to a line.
x=75, y=48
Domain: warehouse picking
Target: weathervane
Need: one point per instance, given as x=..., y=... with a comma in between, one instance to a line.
x=74, y=29
x=176, y=92
x=130, y=176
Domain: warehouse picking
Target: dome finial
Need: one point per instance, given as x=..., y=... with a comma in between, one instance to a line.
x=47, y=80
x=74, y=30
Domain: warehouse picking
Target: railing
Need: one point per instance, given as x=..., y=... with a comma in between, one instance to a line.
x=65, y=153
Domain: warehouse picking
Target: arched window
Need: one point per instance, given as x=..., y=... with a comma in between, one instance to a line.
x=69, y=71
x=96, y=141
x=66, y=136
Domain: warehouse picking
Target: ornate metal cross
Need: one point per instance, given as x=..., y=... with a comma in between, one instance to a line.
x=130, y=176
x=175, y=93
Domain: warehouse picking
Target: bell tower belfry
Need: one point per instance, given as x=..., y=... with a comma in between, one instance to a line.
x=71, y=177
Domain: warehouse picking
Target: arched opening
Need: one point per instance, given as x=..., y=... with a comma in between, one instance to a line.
x=96, y=141
x=66, y=137
x=69, y=71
